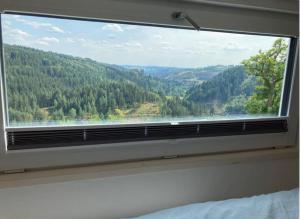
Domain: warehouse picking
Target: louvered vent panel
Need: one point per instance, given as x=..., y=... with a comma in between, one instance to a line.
x=105, y=135
x=266, y=126
x=172, y=131
x=44, y=138
x=233, y=128
x=19, y=139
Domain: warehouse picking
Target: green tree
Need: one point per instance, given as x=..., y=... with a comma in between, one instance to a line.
x=268, y=68
x=72, y=113
x=236, y=105
x=41, y=115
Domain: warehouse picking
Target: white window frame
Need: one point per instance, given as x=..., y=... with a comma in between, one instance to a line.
x=214, y=17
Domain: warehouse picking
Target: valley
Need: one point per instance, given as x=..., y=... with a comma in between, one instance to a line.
x=49, y=88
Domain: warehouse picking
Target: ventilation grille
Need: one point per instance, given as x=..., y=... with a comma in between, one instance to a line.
x=60, y=138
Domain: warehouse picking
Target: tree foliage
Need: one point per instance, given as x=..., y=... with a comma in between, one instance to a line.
x=268, y=68
x=47, y=86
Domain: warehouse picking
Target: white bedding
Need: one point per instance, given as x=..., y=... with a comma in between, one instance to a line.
x=279, y=205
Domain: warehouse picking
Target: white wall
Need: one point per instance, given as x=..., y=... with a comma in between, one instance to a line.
x=131, y=195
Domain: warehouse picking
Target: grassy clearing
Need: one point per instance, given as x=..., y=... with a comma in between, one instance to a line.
x=144, y=110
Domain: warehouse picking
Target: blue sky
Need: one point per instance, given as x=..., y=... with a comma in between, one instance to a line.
x=131, y=44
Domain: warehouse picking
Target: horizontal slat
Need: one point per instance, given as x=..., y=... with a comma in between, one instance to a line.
x=58, y=138
x=267, y=126
x=105, y=135
x=44, y=137
x=172, y=131
x=221, y=129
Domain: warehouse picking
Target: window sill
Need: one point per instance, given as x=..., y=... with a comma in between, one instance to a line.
x=45, y=176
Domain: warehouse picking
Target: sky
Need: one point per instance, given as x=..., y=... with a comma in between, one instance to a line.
x=125, y=44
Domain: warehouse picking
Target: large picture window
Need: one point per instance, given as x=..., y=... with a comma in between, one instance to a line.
x=71, y=73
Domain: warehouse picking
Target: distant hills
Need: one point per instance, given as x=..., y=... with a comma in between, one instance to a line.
x=186, y=76
x=48, y=86
x=221, y=88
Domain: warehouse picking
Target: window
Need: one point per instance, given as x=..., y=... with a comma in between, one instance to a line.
x=23, y=142
x=71, y=81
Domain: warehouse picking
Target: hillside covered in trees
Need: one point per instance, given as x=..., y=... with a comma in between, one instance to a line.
x=49, y=87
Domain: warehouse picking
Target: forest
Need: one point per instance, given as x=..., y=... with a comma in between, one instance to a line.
x=51, y=88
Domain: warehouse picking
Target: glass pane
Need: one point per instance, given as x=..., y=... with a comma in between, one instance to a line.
x=69, y=72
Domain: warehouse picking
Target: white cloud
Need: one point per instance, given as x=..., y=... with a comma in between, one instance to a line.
x=165, y=43
x=232, y=46
x=130, y=27
x=113, y=27
x=15, y=34
x=37, y=25
x=46, y=41
x=56, y=29
x=50, y=39
x=82, y=40
x=118, y=46
x=134, y=44
x=20, y=32
x=16, y=16
x=167, y=48
x=157, y=36
x=70, y=40
x=10, y=30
